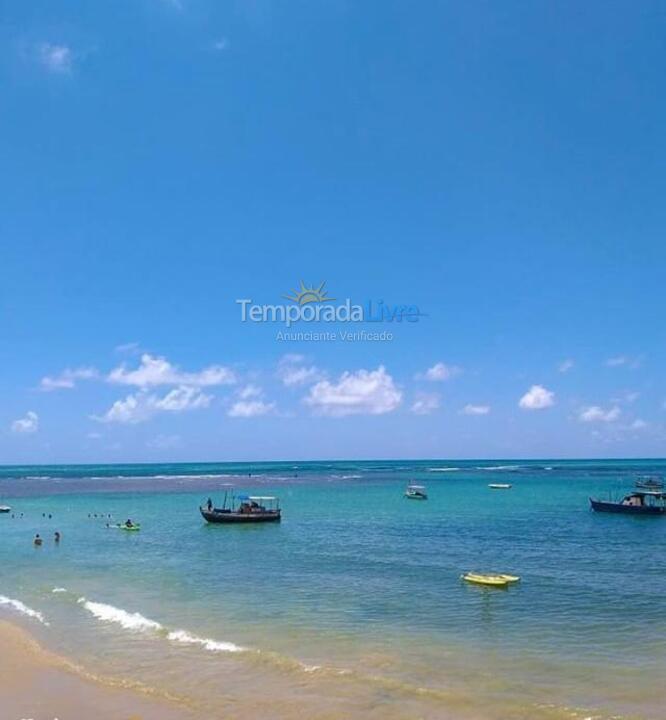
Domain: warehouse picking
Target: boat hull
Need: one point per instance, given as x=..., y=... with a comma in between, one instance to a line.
x=227, y=517
x=613, y=507
x=499, y=581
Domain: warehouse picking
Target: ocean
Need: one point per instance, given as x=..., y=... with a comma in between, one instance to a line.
x=352, y=606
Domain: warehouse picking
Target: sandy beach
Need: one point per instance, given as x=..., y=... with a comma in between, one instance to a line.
x=37, y=684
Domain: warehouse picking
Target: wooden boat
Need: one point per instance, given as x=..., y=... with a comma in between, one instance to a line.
x=416, y=492
x=247, y=509
x=499, y=486
x=639, y=502
x=495, y=580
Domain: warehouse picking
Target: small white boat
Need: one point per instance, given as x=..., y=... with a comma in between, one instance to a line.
x=5, y=509
x=416, y=492
x=499, y=486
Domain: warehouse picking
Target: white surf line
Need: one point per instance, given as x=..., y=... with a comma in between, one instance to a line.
x=136, y=622
x=22, y=608
x=182, y=636
x=109, y=613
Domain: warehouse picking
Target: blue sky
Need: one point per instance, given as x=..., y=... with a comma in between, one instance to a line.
x=497, y=165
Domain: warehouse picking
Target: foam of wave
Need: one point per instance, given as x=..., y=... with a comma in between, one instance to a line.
x=22, y=608
x=130, y=621
x=182, y=636
x=59, y=590
x=499, y=467
x=443, y=469
x=136, y=622
x=347, y=477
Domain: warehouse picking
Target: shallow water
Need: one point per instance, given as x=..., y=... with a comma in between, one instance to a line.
x=352, y=606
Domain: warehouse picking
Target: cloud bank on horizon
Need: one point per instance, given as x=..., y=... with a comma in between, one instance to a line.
x=294, y=386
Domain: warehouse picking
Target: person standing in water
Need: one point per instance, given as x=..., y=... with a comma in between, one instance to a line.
x=56, y=537
x=37, y=541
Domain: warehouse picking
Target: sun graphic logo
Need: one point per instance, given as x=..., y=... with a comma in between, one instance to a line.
x=309, y=295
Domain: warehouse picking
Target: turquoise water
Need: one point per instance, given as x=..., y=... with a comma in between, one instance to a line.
x=353, y=603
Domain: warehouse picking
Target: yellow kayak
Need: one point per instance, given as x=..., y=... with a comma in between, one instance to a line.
x=493, y=580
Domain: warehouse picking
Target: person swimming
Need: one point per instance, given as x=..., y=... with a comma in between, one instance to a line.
x=56, y=537
x=38, y=540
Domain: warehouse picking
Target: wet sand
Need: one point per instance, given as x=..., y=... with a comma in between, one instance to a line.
x=37, y=684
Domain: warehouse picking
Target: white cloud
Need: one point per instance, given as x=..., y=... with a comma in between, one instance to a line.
x=362, y=392
x=566, y=365
x=628, y=397
x=292, y=372
x=300, y=376
x=249, y=391
x=183, y=398
x=56, y=59
x=250, y=408
x=221, y=44
x=27, y=424
x=425, y=403
x=537, y=398
x=639, y=424
x=159, y=371
x=67, y=379
x=129, y=347
x=624, y=360
x=594, y=413
x=475, y=409
x=141, y=406
x=439, y=372
x=250, y=403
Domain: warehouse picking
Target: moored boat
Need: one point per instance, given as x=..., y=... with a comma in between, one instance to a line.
x=416, y=492
x=650, y=483
x=639, y=502
x=491, y=580
x=244, y=509
x=500, y=486
x=5, y=509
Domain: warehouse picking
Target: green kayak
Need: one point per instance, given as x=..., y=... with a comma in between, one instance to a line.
x=129, y=528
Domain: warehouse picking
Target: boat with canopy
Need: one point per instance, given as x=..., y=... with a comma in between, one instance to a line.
x=243, y=509
x=638, y=502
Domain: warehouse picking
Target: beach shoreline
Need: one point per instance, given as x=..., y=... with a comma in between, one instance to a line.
x=36, y=683
x=335, y=612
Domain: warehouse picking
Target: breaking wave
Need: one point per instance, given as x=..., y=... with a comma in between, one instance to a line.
x=22, y=608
